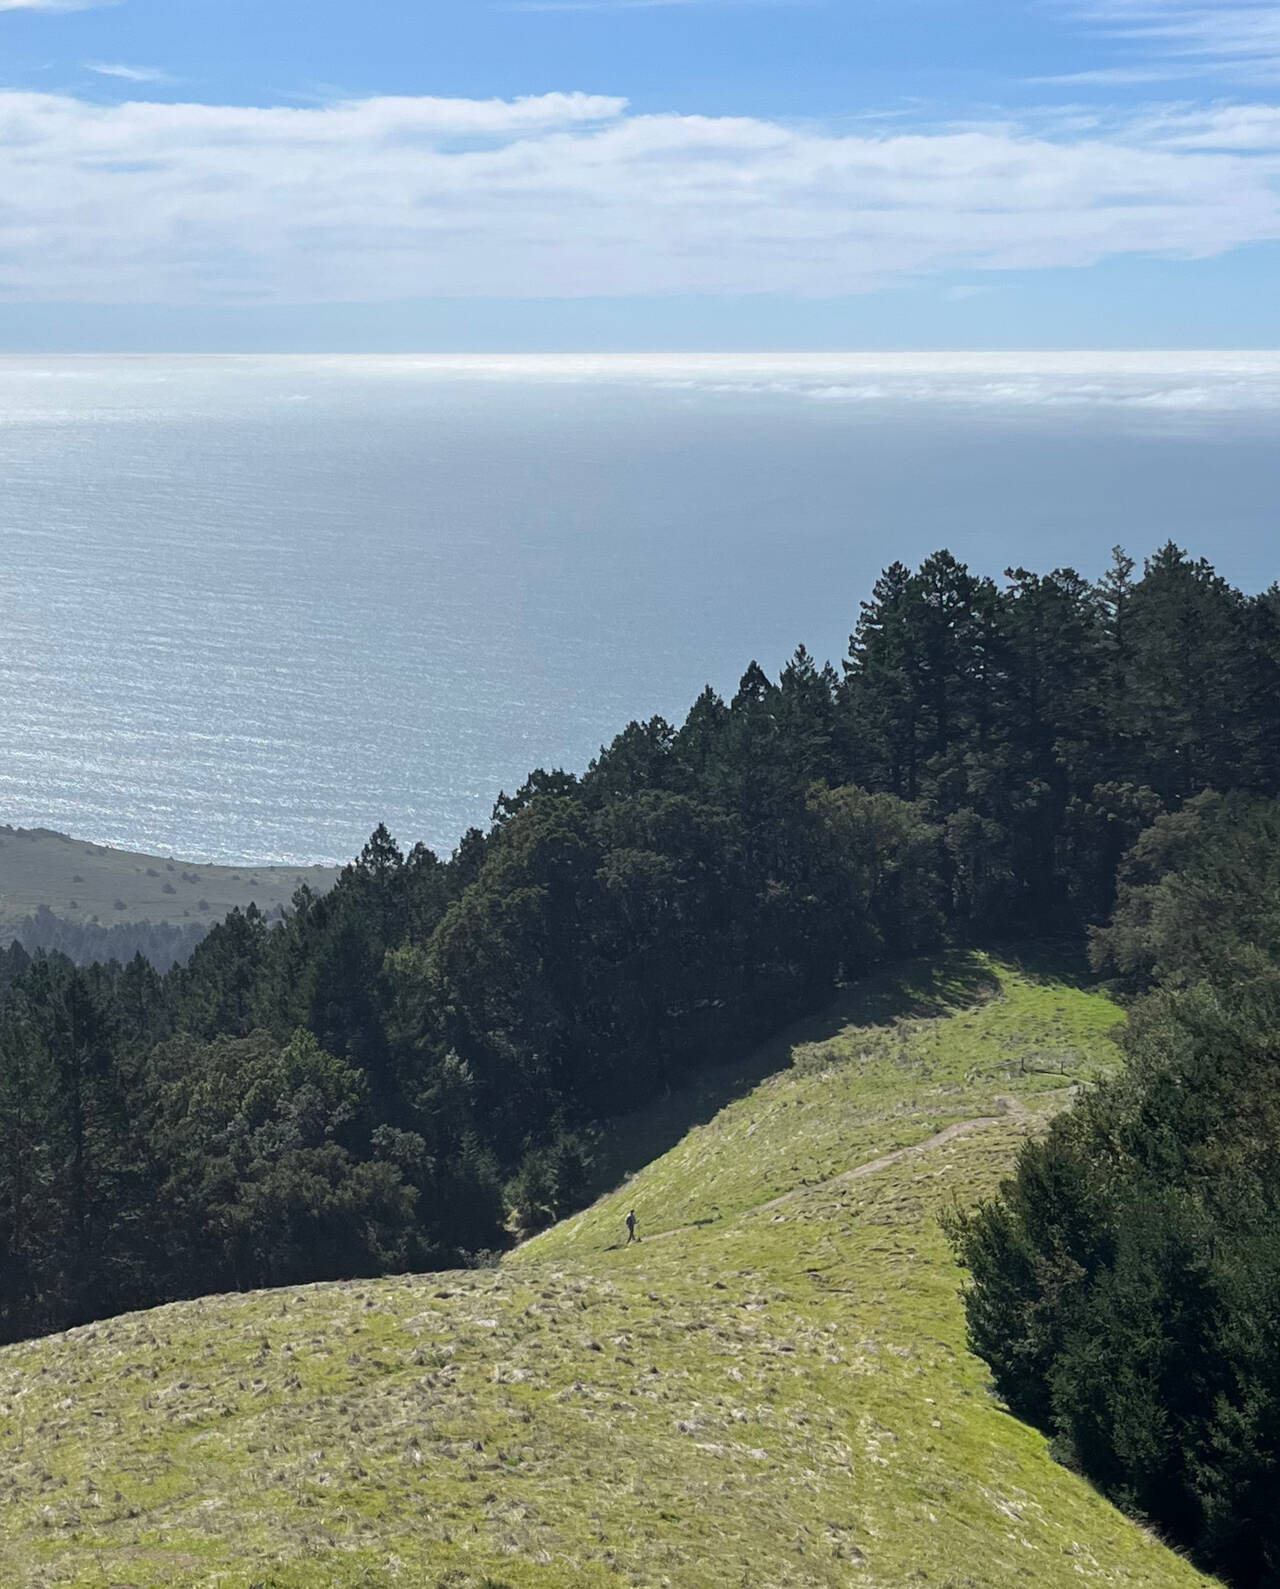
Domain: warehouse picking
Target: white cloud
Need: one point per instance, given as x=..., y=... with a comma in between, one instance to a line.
x=129, y=74
x=567, y=195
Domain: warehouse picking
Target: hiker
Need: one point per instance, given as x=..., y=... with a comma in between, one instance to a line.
x=631, y=1228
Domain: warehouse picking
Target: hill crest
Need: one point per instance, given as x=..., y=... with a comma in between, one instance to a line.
x=98, y=884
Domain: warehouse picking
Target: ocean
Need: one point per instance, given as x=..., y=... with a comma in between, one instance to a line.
x=250, y=607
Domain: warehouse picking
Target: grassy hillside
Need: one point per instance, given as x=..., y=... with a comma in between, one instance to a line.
x=770, y=1390
x=83, y=882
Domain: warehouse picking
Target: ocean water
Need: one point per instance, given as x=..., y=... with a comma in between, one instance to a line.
x=250, y=607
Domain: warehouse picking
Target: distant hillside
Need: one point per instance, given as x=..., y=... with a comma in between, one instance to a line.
x=771, y=1391
x=84, y=884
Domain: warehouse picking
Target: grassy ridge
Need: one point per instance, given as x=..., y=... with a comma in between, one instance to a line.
x=778, y=1397
x=83, y=882
x=896, y=1062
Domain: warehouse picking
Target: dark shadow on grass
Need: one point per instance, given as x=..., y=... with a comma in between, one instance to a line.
x=1049, y=960
x=914, y=989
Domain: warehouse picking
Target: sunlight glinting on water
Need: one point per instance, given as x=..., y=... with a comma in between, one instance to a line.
x=249, y=607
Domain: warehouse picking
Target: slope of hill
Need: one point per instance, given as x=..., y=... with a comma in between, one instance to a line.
x=770, y=1390
x=82, y=882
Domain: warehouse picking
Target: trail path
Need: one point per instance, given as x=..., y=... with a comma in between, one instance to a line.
x=1013, y=1109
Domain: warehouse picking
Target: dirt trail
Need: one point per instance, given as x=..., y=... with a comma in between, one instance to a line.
x=1013, y=1109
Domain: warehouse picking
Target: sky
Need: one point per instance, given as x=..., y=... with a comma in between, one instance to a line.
x=539, y=175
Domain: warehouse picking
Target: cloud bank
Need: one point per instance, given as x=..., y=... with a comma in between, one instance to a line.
x=565, y=195
x=1159, y=383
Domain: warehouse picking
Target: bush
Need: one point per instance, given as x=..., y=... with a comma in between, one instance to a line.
x=549, y=1182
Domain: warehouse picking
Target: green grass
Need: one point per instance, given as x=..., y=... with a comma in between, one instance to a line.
x=83, y=882
x=781, y=1397
x=886, y=1077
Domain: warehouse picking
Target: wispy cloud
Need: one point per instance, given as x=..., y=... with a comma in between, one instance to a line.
x=52, y=5
x=1181, y=38
x=1120, y=76
x=566, y=195
x=129, y=74
x=1241, y=128
x=651, y=5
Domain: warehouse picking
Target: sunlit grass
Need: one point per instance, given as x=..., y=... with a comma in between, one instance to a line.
x=867, y=1090
x=777, y=1398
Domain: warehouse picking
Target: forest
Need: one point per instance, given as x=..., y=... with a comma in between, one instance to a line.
x=415, y=1063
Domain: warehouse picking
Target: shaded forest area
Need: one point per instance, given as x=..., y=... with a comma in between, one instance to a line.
x=376, y=1083
x=1126, y=1281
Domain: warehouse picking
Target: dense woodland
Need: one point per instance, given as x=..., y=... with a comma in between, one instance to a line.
x=377, y=1083
x=1126, y=1282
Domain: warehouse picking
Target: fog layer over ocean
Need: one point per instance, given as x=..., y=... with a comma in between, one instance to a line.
x=253, y=606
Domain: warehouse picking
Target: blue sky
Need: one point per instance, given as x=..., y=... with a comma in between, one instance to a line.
x=631, y=174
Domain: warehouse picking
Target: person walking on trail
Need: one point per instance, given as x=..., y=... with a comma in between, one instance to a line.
x=631, y=1228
